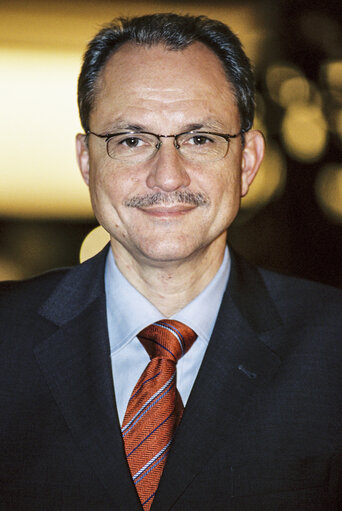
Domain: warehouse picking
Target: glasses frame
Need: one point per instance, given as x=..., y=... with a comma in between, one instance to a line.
x=108, y=136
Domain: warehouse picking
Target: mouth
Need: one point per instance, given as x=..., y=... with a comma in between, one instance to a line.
x=168, y=211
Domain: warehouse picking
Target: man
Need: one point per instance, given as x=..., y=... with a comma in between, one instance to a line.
x=167, y=105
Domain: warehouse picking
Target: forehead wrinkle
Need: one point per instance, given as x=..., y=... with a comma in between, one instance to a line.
x=182, y=92
x=148, y=112
x=149, y=98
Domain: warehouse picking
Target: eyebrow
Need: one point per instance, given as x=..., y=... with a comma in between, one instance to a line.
x=210, y=124
x=124, y=126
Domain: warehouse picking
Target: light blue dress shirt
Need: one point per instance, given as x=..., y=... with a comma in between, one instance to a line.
x=128, y=312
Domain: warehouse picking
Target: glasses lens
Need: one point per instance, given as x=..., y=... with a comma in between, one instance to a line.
x=200, y=146
x=132, y=147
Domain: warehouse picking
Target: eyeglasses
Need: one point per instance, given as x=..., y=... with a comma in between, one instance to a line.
x=133, y=147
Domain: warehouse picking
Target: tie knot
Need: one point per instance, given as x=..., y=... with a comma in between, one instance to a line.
x=167, y=338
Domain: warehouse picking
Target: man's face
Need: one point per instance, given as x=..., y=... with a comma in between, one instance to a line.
x=165, y=92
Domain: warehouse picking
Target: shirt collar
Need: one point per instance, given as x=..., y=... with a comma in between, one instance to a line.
x=128, y=311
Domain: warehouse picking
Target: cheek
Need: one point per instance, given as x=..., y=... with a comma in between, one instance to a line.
x=109, y=187
x=224, y=187
x=225, y=197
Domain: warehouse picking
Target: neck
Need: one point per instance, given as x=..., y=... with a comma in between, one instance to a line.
x=171, y=285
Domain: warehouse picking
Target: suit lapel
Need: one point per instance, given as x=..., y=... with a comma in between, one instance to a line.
x=76, y=363
x=237, y=362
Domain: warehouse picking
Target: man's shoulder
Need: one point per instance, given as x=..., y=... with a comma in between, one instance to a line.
x=20, y=303
x=295, y=296
x=31, y=291
x=281, y=283
x=264, y=293
x=277, y=282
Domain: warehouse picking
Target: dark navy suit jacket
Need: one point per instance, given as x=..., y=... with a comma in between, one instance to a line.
x=262, y=429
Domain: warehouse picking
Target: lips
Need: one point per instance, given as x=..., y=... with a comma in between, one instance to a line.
x=168, y=211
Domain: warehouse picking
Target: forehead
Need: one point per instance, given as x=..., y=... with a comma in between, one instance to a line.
x=150, y=81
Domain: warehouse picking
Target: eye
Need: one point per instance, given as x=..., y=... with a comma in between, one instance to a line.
x=131, y=142
x=200, y=140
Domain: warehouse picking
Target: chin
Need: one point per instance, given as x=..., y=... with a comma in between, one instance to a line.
x=169, y=253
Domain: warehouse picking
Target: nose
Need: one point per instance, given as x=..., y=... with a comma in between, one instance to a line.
x=167, y=172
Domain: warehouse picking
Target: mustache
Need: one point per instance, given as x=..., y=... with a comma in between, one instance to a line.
x=159, y=198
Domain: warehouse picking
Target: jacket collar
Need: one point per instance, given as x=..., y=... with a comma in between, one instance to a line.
x=80, y=287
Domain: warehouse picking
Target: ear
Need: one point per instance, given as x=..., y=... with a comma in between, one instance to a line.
x=82, y=153
x=252, y=155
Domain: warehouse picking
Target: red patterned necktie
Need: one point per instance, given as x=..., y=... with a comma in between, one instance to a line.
x=155, y=407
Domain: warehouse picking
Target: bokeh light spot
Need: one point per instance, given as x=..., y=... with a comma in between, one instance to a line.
x=304, y=132
x=276, y=75
x=328, y=188
x=93, y=243
x=296, y=89
x=331, y=75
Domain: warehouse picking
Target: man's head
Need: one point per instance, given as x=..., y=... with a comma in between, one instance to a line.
x=175, y=32
x=167, y=197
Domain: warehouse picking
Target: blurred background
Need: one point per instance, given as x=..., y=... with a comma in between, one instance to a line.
x=292, y=218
